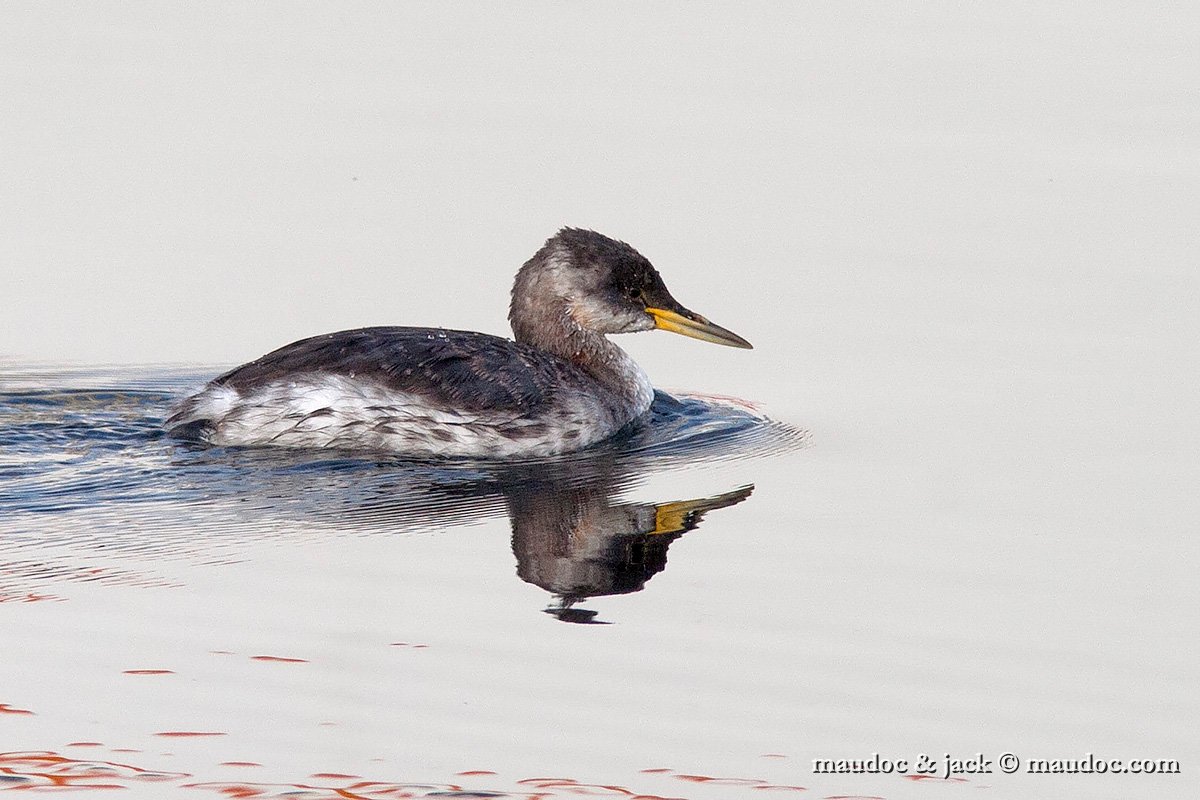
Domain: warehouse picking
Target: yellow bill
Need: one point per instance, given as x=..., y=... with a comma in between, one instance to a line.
x=695, y=326
x=684, y=515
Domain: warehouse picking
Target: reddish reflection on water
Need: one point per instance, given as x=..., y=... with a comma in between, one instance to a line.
x=50, y=771
x=750, y=783
x=722, y=781
x=575, y=787
x=372, y=790
x=29, y=597
x=915, y=778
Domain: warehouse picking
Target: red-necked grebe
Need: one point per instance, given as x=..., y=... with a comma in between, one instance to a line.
x=562, y=385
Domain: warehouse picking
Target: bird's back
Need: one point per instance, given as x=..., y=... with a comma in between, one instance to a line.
x=414, y=390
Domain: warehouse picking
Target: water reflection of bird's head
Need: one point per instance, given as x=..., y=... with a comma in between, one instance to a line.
x=580, y=541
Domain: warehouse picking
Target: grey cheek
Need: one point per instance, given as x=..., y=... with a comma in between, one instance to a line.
x=639, y=322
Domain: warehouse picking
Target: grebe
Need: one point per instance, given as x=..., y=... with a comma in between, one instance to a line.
x=561, y=386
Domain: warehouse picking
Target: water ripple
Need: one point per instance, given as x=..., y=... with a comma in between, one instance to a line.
x=95, y=439
x=92, y=490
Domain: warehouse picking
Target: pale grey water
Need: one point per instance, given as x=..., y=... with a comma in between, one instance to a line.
x=962, y=240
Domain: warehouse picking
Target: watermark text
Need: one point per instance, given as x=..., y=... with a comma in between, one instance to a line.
x=951, y=766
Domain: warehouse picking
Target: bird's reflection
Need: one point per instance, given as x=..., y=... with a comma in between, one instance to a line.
x=579, y=541
x=573, y=533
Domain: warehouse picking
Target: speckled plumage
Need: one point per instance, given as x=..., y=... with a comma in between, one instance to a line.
x=562, y=385
x=422, y=391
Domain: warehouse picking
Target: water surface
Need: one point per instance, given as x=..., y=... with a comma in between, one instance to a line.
x=961, y=239
x=678, y=612
x=96, y=497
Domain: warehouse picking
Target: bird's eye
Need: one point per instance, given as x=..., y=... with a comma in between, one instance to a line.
x=635, y=293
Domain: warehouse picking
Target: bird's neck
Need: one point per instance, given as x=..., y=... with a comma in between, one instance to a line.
x=559, y=335
x=542, y=318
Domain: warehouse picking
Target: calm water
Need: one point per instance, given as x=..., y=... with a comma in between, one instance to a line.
x=959, y=518
x=416, y=591
x=677, y=613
